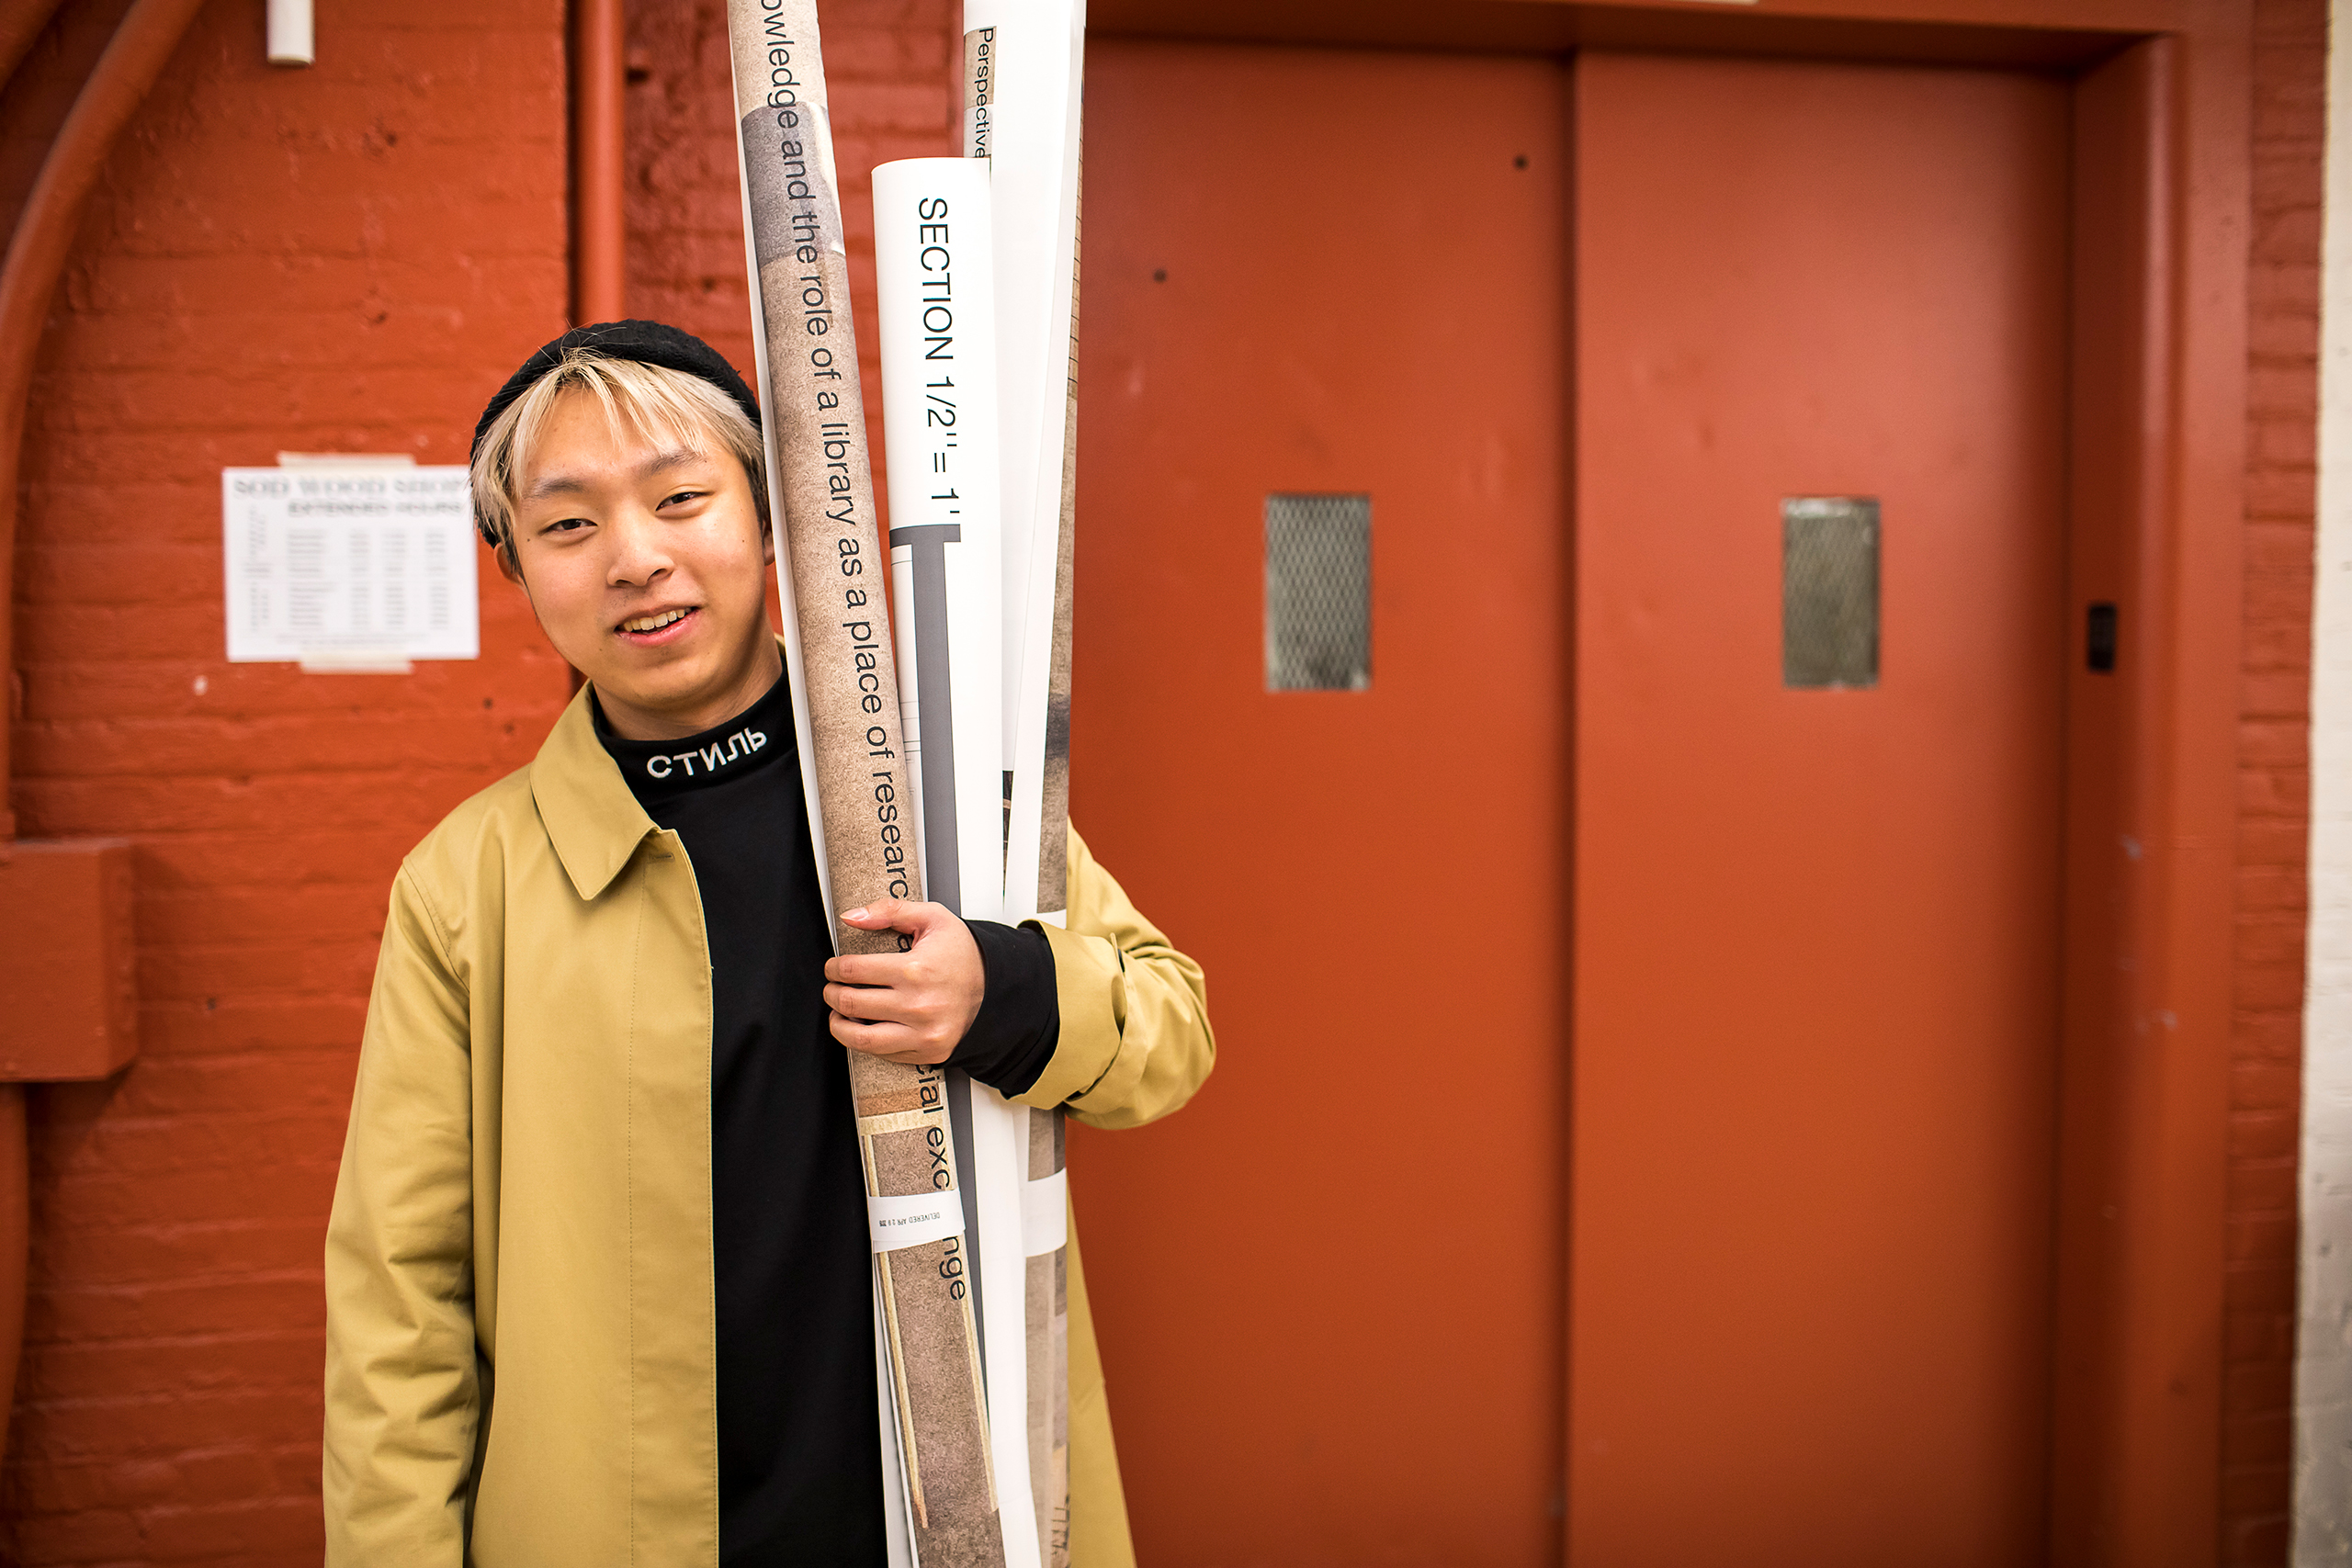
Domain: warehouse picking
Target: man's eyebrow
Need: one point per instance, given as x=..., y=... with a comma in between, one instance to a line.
x=572, y=484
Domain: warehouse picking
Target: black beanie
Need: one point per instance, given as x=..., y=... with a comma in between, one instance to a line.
x=647, y=343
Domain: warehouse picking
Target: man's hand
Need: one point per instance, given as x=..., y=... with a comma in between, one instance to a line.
x=906, y=1006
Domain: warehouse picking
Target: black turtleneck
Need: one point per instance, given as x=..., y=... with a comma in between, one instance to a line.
x=799, y=1474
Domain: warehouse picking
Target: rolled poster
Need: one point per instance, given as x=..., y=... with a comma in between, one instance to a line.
x=1024, y=68
x=1024, y=61
x=934, y=267
x=853, y=754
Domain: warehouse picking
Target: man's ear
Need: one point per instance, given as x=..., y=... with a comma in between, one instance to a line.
x=508, y=566
x=767, y=544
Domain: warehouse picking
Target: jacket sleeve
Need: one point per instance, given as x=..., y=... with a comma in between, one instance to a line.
x=403, y=1387
x=1135, y=1019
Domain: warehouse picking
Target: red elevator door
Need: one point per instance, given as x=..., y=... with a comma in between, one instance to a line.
x=1328, y=1291
x=1808, y=1163
x=1816, y=950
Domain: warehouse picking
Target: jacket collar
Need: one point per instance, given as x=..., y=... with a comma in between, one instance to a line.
x=592, y=819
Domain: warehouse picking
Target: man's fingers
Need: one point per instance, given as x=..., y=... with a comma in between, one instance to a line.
x=870, y=969
x=897, y=915
x=873, y=917
x=911, y=1006
x=877, y=1037
x=891, y=1042
x=875, y=1004
x=904, y=971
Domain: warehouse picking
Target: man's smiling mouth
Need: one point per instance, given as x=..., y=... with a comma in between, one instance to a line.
x=655, y=622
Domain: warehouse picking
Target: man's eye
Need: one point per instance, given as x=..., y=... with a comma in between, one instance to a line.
x=676, y=496
x=567, y=525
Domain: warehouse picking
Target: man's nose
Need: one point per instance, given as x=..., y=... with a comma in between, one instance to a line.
x=640, y=551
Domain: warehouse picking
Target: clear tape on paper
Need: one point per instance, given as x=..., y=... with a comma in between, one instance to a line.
x=897, y=1222
x=1045, y=1213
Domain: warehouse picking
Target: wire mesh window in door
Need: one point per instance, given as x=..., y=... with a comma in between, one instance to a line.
x=1828, y=592
x=1318, y=592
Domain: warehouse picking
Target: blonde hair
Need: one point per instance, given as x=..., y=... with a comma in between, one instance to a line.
x=657, y=402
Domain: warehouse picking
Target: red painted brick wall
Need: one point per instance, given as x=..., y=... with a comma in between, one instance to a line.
x=345, y=258
x=349, y=258
x=2289, y=130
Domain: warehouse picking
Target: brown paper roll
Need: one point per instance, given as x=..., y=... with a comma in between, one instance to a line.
x=833, y=563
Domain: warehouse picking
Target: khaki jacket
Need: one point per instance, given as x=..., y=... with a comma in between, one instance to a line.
x=521, y=1363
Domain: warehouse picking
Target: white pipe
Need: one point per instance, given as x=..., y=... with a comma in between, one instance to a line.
x=290, y=42
x=2322, y=1496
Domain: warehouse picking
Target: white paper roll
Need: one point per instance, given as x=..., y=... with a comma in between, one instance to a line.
x=1038, y=57
x=934, y=268
x=934, y=265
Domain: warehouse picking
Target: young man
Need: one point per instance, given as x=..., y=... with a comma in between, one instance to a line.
x=597, y=1273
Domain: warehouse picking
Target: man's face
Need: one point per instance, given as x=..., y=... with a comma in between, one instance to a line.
x=648, y=570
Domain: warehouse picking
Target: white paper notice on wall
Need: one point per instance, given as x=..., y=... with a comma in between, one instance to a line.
x=353, y=565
